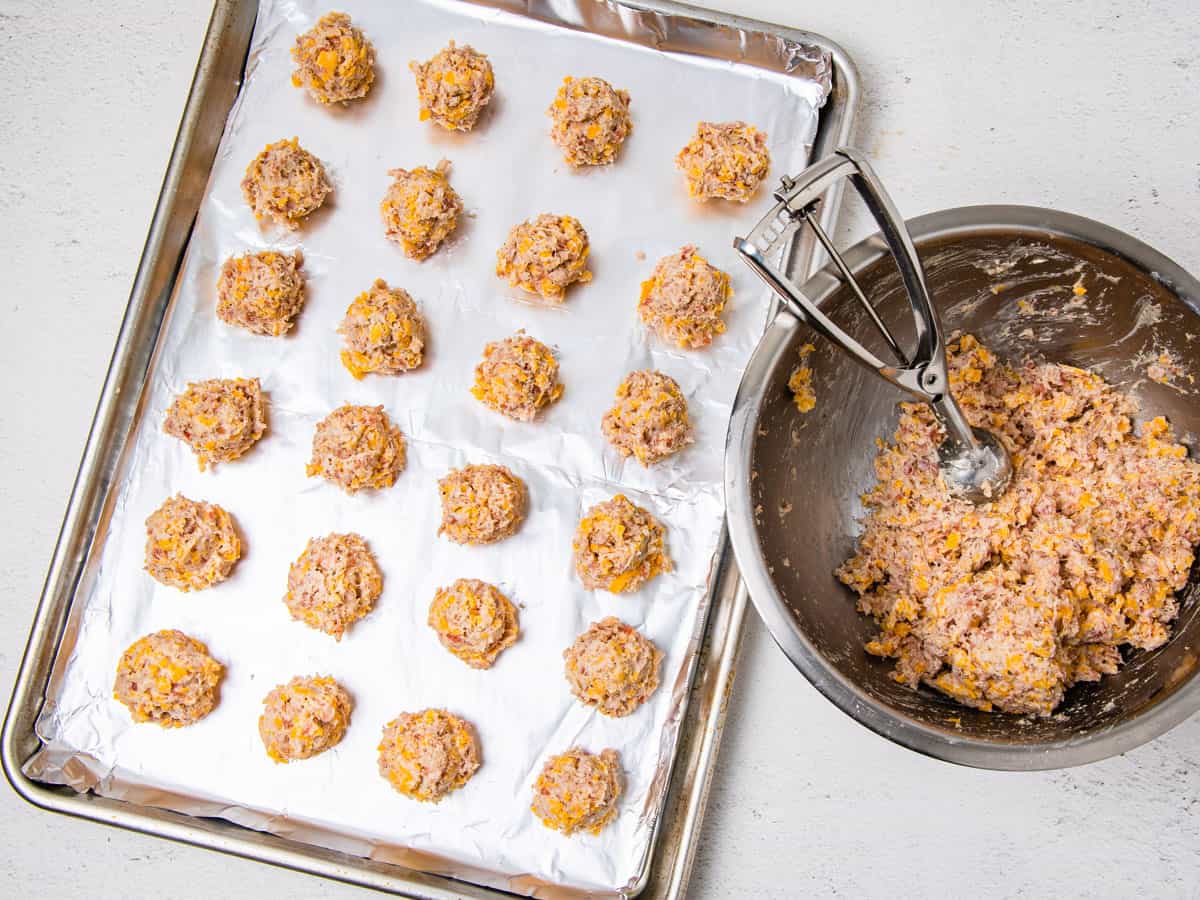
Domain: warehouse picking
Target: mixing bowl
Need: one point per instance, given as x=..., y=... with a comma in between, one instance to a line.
x=793, y=480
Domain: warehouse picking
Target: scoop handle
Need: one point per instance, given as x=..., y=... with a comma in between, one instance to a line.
x=923, y=373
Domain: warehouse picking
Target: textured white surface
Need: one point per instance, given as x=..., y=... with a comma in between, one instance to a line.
x=1088, y=106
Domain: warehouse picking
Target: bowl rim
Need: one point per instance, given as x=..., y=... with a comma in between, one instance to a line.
x=1158, y=718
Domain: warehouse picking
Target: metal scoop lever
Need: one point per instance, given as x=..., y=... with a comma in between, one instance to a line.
x=972, y=461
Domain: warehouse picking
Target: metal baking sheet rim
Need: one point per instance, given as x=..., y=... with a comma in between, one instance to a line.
x=213, y=91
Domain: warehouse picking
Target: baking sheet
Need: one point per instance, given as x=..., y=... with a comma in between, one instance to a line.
x=506, y=171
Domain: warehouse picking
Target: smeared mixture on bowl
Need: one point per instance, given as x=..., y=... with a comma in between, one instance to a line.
x=1007, y=605
x=800, y=382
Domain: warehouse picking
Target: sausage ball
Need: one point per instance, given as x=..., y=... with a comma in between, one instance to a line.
x=304, y=717
x=383, y=331
x=725, y=160
x=649, y=421
x=168, y=678
x=334, y=62
x=591, y=121
x=545, y=256
x=334, y=583
x=190, y=544
x=426, y=755
x=261, y=292
x=454, y=87
x=578, y=791
x=474, y=621
x=420, y=209
x=683, y=299
x=619, y=546
x=357, y=448
x=518, y=377
x=285, y=183
x=481, y=504
x=612, y=667
x=220, y=419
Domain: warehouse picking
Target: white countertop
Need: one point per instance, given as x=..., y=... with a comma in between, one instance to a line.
x=1090, y=107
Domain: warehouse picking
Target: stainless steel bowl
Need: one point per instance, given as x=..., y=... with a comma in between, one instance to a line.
x=793, y=481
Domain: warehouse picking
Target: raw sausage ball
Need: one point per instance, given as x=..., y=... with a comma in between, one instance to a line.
x=518, y=377
x=420, y=209
x=578, y=791
x=383, y=331
x=426, y=755
x=304, y=717
x=726, y=160
x=190, y=544
x=286, y=183
x=650, y=418
x=683, y=299
x=481, y=504
x=454, y=87
x=220, y=419
x=334, y=61
x=474, y=621
x=357, y=447
x=612, y=667
x=168, y=678
x=545, y=256
x=261, y=292
x=591, y=121
x=619, y=546
x=334, y=583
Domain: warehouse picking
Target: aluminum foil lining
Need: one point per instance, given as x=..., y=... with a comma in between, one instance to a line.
x=677, y=72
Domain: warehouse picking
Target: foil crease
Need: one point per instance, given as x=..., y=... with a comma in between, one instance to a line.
x=677, y=71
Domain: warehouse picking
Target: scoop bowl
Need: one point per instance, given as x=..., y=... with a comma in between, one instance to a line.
x=793, y=481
